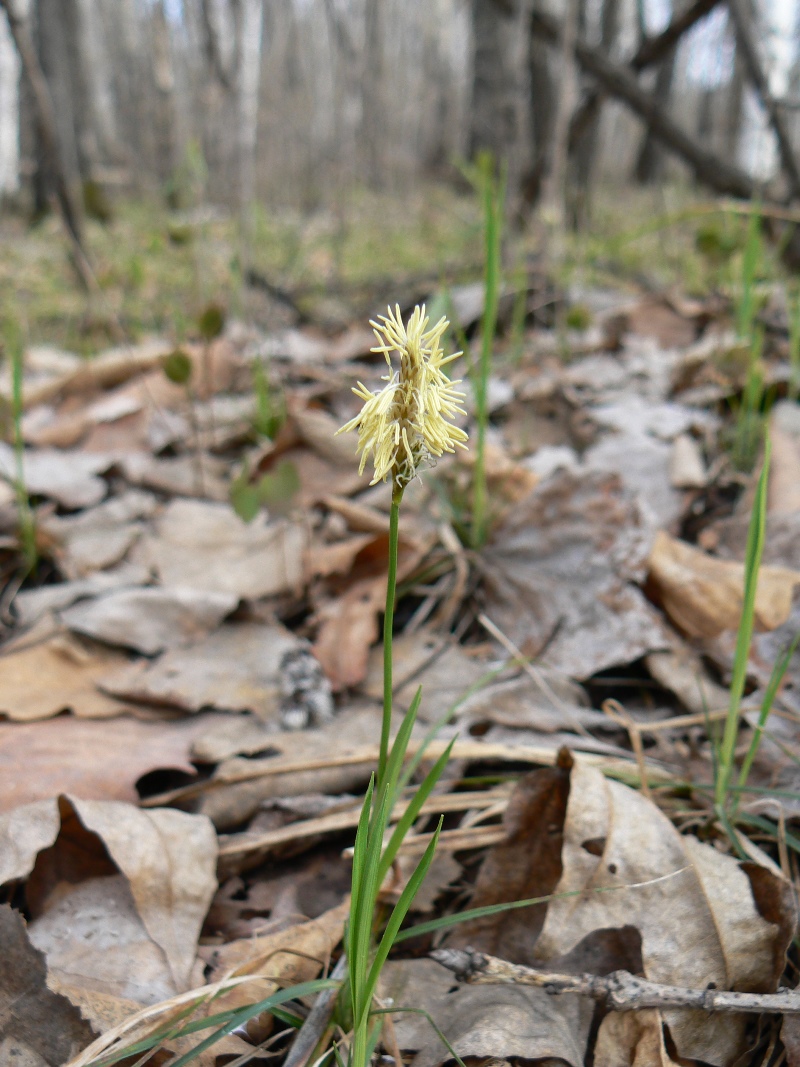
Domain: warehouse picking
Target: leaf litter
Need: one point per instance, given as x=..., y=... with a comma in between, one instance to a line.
x=156, y=670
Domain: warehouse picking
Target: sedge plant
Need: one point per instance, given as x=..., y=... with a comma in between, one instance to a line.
x=492, y=192
x=724, y=762
x=402, y=428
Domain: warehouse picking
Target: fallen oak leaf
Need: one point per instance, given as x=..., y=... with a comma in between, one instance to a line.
x=168, y=858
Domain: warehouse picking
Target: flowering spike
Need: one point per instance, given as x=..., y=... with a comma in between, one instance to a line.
x=408, y=423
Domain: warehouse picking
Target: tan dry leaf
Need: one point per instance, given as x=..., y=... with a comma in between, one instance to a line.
x=98, y=538
x=632, y=1039
x=699, y=926
x=149, y=620
x=47, y=671
x=281, y=959
x=96, y=759
x=94, y=939
x=487, y=1022
x=37, y=1025
x=349, y=627
x=323, y=560
x=561, y=576
x=784, y=470
x=703, y=595
x=235, y=668
x=168, y=858
x=349, y=623
x=206, y=546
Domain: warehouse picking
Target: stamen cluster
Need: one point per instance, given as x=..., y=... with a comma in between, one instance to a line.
x=408, y=423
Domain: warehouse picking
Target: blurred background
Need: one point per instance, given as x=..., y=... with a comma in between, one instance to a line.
x=260, y=151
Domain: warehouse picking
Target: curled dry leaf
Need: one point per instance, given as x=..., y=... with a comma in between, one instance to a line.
x=235, y=668
x=37, y=1026
x=168, y=859
x=703, y=595
x=70, y=478
x=698, y=919
x=632, y=1039
x=99, y=537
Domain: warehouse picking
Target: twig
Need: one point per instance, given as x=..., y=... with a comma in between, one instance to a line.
x=621, y=990
x=316, y=1023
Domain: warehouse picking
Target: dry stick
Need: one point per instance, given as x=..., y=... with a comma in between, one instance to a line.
x=745, y=42
x=317, y=1021
x=621, y=990
x=619, y=82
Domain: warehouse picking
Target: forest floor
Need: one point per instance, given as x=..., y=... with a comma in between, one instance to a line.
x=194, y=577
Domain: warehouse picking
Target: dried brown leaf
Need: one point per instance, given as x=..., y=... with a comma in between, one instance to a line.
x=48, y=671
x=236, y=668
x=483, y=1021
x=150, y=620
x=98, y=760
x=703, y=595
x=560, y=576
x=206, y=546
x=699, y=926
x=37, y=1026
x=167, y=857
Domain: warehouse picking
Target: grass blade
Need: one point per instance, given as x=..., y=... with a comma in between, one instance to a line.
x=755, y=548
x=412, y=811
x=398, y=915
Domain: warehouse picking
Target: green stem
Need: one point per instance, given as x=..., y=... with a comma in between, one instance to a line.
x=388, y=627
x=492, y=210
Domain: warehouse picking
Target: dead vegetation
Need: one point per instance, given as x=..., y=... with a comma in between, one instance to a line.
x=191, y=684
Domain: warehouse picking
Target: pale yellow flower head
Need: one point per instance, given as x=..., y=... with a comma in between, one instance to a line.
x=408, y=423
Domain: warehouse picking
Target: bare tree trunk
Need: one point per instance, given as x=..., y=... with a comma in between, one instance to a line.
x=372, y=110
x=585, y=151
x=9, y=112
x=47, y=127
x=745, y=40
x=501, y=95
x=553, y=198
x=542, y=112
x=618, y=81
x=164, y=80
x=734, y=107
x=649, y=161
x=250, y=29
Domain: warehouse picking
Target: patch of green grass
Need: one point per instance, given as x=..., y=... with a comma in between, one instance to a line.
x=150, y=283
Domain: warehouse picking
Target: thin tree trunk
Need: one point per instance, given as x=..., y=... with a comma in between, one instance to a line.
x=47, y=127
x=649, y=161
x=372, y=110
x=585, y=151
x=251, y=25
x=553, y=198
x=745, y=40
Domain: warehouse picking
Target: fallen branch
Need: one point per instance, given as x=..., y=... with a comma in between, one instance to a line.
x=620, y=990
x=619, y=82
x=651, y=51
